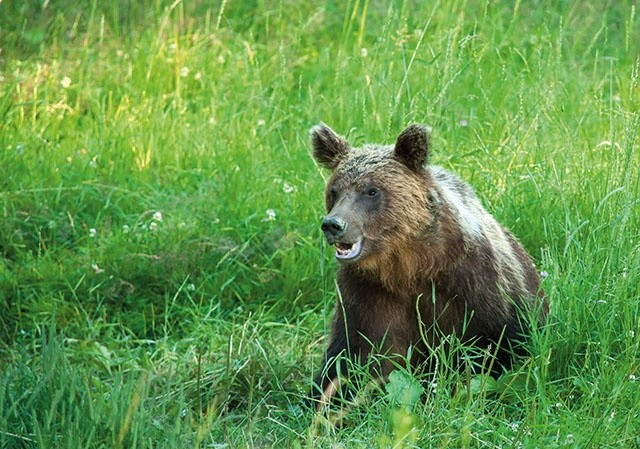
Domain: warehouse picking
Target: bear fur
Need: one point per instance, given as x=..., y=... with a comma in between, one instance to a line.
x=420, y=259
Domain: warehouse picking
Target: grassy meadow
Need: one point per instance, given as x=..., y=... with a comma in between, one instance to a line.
x=163, y=279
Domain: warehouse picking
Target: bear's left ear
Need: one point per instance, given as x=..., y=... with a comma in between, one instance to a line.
x=412, y=146
x=328, y=147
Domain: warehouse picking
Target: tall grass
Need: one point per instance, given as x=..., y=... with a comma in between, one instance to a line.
x=163, y=281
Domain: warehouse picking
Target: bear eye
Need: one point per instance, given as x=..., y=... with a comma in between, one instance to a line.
x=333, y=194
x=372, y=192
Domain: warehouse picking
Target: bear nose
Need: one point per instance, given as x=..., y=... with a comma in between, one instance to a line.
x=333, y=228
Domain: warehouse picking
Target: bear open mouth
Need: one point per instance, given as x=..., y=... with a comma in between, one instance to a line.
x=348, y=251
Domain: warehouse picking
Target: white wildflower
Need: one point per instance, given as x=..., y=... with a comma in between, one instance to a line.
x=261, y=122
x=288, y=188
x=184, y=72
x=96, y=268
x=514, y=426
x=153, y=226
x=65, y=82
x=92, y=232
x=126, y=228
x=271, y=215
x=364, y=52
x=157, y=216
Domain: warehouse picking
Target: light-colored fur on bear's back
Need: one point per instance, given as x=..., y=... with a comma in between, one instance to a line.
x=479, y=227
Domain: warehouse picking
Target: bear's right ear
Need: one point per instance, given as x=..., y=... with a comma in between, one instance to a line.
x=328, y=147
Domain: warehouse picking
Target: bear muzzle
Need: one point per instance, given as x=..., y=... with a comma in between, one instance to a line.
x=335, y=230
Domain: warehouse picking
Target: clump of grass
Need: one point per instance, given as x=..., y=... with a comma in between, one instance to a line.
x=162, y=278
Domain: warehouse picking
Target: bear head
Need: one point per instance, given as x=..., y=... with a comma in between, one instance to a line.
x=378, y=198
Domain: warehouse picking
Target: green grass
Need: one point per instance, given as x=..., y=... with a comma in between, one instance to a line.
x=203, y=327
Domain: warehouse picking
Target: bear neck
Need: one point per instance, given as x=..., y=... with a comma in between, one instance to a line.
x=409, y=270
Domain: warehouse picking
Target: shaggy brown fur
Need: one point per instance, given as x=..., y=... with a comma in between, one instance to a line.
x=420, y=258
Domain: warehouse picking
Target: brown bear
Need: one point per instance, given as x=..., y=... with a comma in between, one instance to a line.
x=420, y=259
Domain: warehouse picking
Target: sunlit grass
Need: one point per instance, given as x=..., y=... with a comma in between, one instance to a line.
x=163, y=281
